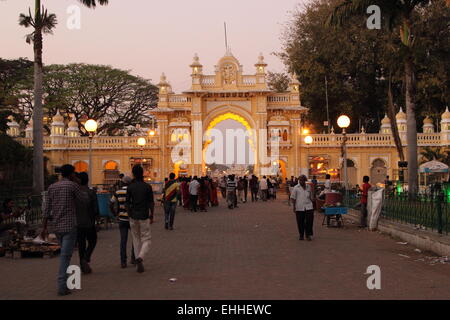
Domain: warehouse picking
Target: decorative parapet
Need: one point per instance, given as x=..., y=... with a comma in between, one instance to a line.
x=284, y=101
x=98, y=143
x=373, y=140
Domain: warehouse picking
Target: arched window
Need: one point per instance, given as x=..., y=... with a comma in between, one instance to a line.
x=81, y=166
x=285, y=135
x=111, y=165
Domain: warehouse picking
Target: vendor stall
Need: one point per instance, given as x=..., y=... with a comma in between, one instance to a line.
x=433, y=172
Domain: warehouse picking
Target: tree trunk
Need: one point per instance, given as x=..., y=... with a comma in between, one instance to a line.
x=38, y=139
x=394, y=127
x=411, y=126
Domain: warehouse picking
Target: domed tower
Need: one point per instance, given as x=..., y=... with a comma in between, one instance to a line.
x=197, y=71
x=428, y=126
x=401, y=121
x=57, y=135
x=57, y=127
x=29, y=129
x=164, y=86
x=294, y=85
x=385, y=125
x=73, y=130
x=445, y=127
x=13, y=127
x=261, y=72
x=445, y=122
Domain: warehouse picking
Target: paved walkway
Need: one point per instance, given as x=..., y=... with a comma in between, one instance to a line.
x=249, y=253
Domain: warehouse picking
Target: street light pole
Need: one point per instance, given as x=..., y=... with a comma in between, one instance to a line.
x=344, y=123
x=91, y=127
x=344, y=146
x=142, y=142
x=308, y=142
x=91, y=136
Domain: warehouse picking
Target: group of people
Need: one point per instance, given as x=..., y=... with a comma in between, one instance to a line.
x=71, y=211
x=303, y=195
x=197, y=194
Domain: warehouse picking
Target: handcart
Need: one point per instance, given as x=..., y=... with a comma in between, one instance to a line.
x=336, y=214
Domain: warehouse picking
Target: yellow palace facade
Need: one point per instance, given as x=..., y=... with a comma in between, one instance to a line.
x=185, y=120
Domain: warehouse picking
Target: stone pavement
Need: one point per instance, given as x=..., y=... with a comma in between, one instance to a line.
x=248, y=253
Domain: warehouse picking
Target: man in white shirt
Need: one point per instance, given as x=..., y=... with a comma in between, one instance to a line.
x=264, y=188
x=301, y=197
x=193, y=193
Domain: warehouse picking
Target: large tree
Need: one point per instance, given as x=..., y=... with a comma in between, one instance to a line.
x=397, y=17
x=115, y=98
x=42, y=22
x=359, y=65
x=349, y=61
x=12, y=75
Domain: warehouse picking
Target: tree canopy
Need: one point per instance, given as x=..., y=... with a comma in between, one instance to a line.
x=115, y=98
x=358, y=62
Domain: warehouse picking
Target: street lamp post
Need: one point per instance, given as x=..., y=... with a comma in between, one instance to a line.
x=308, y=142
x=142, y=142
x=91, y=127
x=343, y=123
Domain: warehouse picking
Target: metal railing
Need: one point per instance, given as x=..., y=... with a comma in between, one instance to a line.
x=428, y=212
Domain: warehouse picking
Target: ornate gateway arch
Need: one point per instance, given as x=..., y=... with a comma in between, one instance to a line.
x=185, y=120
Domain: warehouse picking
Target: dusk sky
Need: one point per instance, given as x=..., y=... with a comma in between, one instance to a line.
x=151, y=37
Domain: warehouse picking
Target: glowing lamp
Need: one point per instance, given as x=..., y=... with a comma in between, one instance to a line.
x=91, y=126
x=343, y=122
x=141, y=142
x=308, y=140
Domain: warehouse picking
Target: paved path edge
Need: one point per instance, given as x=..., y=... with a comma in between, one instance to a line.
x=421, y=239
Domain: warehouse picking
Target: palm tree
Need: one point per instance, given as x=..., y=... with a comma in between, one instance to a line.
x=395, y=13
x=42, y=22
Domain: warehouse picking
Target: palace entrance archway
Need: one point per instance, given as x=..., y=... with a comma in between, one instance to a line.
x=229, y=145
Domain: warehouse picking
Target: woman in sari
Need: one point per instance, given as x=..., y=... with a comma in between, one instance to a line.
x=185, y=193
x=203, y=195
x=214, y=199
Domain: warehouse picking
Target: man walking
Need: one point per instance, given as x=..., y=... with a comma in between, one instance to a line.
x=365, y=193
x=254, y=187
x=193, y=193
x=119, y=202
x=231, y=192
x=263, y=185
x=140, y=207
x=87, y=213
x=60, y=216
x=170, y=196
x=240, y=188
x=303, y=208
x=245, y=188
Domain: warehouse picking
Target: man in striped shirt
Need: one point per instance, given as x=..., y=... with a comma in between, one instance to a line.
x=170, y=198
x=231, y=192
x=118, y=204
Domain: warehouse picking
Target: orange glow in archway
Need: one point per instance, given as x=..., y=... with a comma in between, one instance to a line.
x=223, y=117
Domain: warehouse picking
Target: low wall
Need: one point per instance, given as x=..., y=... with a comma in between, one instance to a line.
x=421, y=239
